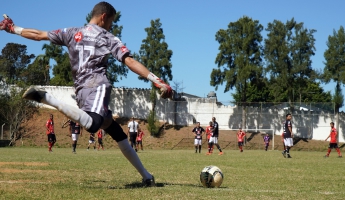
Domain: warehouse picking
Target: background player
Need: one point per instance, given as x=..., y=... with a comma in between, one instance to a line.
x=88, y=48
x=92, y=141
x=214, y=137
x=198, y=133
x=100, y=135
x=50, y=133
x=288, y=136
x=333, y=143
x=132, y=132
x=75, y=131
x=267, y=140
x=140, y=139
x=240, y=138
x=209, y=133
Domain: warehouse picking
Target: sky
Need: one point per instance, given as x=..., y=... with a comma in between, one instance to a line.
x=189, y=27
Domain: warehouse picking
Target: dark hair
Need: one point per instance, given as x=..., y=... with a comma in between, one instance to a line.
x=287, y=115
x=332, y=123
x=103, y=7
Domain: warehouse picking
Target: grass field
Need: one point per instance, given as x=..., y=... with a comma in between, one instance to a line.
x=33, y=173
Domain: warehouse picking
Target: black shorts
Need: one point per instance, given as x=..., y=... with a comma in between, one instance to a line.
x=240, y=144
x=333, y=145
x=51, y=138
x=140, y=142
x=100, y=141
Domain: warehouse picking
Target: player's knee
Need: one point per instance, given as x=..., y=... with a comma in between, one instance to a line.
x=97, y=121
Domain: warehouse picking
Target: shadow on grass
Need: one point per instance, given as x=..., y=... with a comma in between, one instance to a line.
x=138, y=185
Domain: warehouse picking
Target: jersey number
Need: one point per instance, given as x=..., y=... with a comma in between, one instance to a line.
x=85, y=53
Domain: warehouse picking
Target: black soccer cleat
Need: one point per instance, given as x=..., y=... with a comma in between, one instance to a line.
x=149, y=182
x=289, y=156
x=34, y=94
x=284, y=154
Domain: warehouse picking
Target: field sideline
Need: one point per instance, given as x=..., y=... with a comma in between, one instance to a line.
x=33, y=173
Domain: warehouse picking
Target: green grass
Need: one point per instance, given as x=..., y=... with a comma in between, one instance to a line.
x=33, y=173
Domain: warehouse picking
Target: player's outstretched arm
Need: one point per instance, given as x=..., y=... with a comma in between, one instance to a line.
x=8, y=25
x=34, y=34
x=141, y=70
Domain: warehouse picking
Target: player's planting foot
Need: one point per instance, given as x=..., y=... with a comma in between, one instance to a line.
x=284, y=154
x=34, y=94
x=149, y=182
x=220, y=153
x=340, y=156
x=208, y=153
x=326, y=156
x=288, y=156
x=241, y=150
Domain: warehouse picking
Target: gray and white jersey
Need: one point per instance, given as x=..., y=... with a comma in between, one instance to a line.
x=89, y=47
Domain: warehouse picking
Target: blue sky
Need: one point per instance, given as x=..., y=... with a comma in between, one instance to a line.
x=189, y=27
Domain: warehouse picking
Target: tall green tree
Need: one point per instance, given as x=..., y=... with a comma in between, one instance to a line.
x=62, y=71
x=155, y=55
x=116, y=70
x=37, y=73
x=334, y=69
x=239, y=59
x=288, y=50
x=56, y=58
x=13, y=60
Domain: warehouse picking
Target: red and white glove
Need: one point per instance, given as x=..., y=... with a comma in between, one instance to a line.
x=8, y=26
x=166, y=91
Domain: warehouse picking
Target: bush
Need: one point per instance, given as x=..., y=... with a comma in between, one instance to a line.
x=153, y=124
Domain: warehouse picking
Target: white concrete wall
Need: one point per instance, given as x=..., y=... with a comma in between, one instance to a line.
x=128, y=102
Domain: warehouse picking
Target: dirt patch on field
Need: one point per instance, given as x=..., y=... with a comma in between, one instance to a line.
x=172, y=137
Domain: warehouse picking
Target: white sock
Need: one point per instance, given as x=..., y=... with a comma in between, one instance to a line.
x=133, y=158
x=71, y=112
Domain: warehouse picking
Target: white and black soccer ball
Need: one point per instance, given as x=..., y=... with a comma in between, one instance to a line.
x=211, y=176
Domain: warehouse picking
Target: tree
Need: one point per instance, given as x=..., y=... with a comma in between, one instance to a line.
x=288, y=50
x=155, y=55
x=16, y=111
x=37, y=73
x=334, y=69
x=239, y=59
x=13, y=61
x=116, y=70
x=257, y=92
x=62, y=71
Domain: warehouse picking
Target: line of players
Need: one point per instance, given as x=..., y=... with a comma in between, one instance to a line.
x=212, y=133
x=75, y=131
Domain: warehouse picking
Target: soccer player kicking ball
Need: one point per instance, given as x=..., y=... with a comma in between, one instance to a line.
x=88, y=48
x=333, y=142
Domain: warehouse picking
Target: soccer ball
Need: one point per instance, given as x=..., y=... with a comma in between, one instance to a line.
x=211, y=176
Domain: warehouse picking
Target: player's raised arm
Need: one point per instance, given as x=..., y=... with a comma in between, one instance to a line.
x=32, y=34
